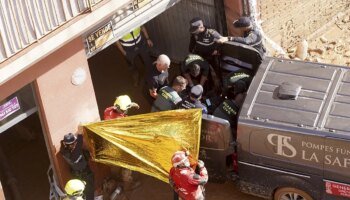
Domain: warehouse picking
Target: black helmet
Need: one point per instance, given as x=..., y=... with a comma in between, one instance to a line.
x=69, y=138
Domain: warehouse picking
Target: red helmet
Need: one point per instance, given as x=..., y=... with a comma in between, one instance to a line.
x=179, y=158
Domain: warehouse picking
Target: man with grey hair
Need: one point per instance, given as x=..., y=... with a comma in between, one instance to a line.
x=158, y=75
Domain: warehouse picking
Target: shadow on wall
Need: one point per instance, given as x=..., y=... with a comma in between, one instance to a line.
x=111, y=78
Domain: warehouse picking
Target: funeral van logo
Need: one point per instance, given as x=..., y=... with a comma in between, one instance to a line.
x=284, y=148
x=330, y=152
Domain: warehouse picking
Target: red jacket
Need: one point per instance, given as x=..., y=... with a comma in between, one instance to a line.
x=111, y=113
x=187, y=183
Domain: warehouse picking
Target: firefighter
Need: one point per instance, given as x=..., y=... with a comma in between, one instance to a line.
x=193, y=100
x=135, y=44
x=168, y=97
x=77, y=158
x=248, y=34
x=74, y=190
x=188, y=184
x=120, y=108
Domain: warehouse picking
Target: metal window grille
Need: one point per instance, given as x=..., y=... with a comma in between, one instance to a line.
x=23, y=22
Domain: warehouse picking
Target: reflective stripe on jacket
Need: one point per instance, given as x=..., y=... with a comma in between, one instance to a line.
x=187, y=183
x=167, y=99
x=131, y=38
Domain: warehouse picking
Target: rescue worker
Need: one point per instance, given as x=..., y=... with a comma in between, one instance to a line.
x=158, y=76
x=205, y=42
x=229, y=110
x=77, y=158
x=168, y=97
x=120, y=108
x=193, y=66
x=135, y=44
x=188, y=184
x=248, y=34
x=236, y=82
x=193, y=100
x=74, y=189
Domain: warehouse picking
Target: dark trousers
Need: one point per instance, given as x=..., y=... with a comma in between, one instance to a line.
x=88, y=177
x=176, y=196
x=140, y=49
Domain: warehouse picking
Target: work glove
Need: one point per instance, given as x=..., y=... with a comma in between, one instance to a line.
x=200, y=164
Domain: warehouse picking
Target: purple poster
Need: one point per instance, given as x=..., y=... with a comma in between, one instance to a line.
x=8, y=108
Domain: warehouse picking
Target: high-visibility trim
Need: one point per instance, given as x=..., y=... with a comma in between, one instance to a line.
x=131, y=38
x=193, y=57
x=128, y=37
x=131, y=43
x=205, y=44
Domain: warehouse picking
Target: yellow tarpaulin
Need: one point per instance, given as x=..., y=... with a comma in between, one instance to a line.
x=145, y=143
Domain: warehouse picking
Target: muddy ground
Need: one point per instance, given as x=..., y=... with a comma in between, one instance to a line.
x=332, y=46
x=324, y=25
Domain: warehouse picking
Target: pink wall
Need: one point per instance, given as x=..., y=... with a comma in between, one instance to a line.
x=233, y=10
x=63, y=106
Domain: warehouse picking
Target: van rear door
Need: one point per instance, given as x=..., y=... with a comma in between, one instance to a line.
x=337, y=143
x=216, y=147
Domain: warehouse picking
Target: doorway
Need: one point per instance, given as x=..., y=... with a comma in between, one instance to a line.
x=24, y=160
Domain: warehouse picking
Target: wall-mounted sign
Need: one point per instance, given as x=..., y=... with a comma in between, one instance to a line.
x=100, y=37
x=9, y=108
x=109, y=31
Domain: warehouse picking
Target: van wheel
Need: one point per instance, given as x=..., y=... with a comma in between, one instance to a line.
x=291, y=194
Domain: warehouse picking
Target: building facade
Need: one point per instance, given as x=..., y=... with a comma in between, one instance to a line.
x=46, y=86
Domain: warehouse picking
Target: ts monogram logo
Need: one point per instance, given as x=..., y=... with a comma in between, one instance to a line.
x=284, y=148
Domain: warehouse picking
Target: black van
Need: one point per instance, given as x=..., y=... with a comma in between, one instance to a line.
x=293, y=134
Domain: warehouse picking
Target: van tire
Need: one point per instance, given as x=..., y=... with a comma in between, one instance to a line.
x=284, y=191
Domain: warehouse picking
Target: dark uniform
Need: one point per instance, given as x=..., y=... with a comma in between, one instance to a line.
x=195, y=59
x=204, y=43
x=252, y=38
x=228, y=110
x=189, y=103
x=167, y=99
x=155, y=80
x=79, y=166
x=235, y=83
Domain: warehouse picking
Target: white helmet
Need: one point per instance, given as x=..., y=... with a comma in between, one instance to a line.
x=180, y=158
x=75, y=187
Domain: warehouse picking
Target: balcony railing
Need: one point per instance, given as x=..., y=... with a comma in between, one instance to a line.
x=23, y=22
